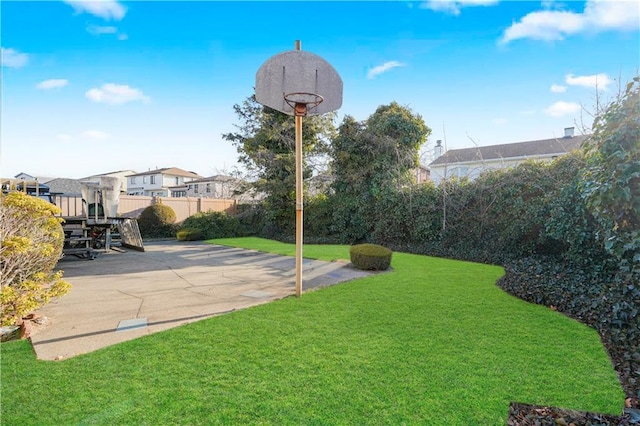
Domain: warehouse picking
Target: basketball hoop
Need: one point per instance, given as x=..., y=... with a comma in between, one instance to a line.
x=299, y=83
x=302, y=102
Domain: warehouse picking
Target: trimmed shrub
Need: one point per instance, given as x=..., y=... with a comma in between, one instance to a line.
x=189, y=234
x=157, y=221
x=213, y=225
x=370, y=257
x=31, y=241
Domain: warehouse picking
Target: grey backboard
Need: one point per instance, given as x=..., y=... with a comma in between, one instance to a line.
x=296, y=71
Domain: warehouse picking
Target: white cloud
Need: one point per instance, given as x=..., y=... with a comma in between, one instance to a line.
x=454, y=6
x=94, y=134
x=55, y=83
x=12, y=58
x=377, y=70
x=601, y=81
x=99, y=29
x=116, y=94
x=557, y=88
x=105, y=9
x=598, y=16
x=561, y=108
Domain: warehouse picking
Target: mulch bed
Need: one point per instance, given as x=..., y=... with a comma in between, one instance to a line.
x=532, y=415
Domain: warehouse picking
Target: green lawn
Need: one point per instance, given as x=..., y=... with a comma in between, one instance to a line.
x=433, y=342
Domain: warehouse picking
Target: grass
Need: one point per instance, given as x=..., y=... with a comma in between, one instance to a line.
x=434, y=342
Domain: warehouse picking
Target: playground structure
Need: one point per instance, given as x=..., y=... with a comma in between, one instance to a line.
x=90, y=221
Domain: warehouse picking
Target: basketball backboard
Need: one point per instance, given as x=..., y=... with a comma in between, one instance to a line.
x=300, y=76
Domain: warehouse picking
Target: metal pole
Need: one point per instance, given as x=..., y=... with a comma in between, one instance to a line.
x=299, y=206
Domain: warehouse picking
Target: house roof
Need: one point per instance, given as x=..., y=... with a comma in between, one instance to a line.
x=215, y=178
x=544, y=147
x=27, y=176
x=108, y=174
x=173, y=171
x=65, y=186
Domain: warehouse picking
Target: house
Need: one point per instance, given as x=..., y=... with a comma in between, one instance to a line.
x=471, y=162
x=30, y=178
x=156, y=183
x=217, y=186
x=421, y=174
x=120, y=174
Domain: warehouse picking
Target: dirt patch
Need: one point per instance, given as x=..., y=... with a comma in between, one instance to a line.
x=532, y=415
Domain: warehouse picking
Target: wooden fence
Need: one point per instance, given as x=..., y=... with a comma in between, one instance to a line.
x=132, y=205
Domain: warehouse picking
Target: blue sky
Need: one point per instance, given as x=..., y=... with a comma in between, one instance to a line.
x=97, y=86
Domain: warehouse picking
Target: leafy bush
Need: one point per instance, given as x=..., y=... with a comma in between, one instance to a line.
x=189, y=234
x=318, y=219
x=408, y=218
x=370, y=257
x=251, y=219
x=213, y=224
x=157, y=221
x=611, y=185
x=31, y=241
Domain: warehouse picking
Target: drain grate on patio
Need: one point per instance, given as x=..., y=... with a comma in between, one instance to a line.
x=131, y=324
x=257, y=294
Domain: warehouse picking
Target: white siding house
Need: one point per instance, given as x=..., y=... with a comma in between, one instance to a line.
x=218, y=186
x=120, y=174
x=471, y=162
x=156, y=183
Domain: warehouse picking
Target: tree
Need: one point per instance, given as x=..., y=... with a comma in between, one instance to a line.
x=370, y=160
x=265, y=140
x=31, y=241
x=612, y=177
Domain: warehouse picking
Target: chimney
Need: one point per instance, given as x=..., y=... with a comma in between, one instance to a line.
x=568, y=132
x=437, y=150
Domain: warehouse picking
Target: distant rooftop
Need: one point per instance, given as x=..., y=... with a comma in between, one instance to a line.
x=538, y=148
x=174, y=171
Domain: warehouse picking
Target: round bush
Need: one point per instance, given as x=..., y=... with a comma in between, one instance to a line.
x=189, y=234
x=157, y=221
x=370, y=257
x=32, y=242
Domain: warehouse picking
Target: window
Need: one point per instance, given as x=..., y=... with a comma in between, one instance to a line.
x=133, y=180
x=208, y=188
x=177, y=180
x=195, y=188
x=144, y=179
x=152, y=179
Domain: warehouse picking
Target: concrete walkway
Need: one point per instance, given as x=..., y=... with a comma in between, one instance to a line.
x=122, y=296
